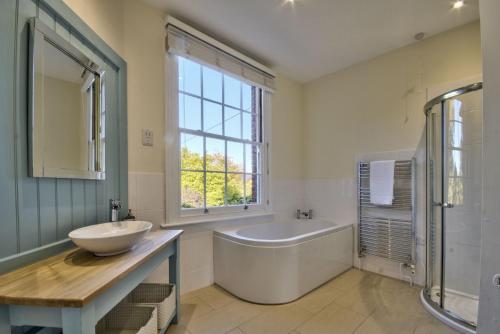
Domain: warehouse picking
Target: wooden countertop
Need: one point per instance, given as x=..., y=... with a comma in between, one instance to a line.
x=74, y=277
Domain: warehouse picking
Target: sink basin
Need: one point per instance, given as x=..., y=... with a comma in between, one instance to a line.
x=110, y=238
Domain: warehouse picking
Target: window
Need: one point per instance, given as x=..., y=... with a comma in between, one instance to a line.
x=455, y=153
x=220, y=141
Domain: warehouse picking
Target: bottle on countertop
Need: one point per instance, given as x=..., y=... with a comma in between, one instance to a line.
x=129, y=215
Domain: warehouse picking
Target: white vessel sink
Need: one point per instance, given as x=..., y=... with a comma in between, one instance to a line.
x=110, y=238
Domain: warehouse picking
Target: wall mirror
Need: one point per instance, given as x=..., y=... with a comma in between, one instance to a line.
x=66, y=108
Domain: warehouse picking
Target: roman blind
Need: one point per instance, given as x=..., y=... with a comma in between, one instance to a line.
x=185, y=41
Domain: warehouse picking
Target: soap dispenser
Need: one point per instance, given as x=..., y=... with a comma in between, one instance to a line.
x=129, y=215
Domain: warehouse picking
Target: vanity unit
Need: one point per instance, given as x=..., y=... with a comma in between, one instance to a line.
x=74, y=289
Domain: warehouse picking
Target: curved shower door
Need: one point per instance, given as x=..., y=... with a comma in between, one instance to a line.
x=435, y=198
x=462, y=215
x=454, y=146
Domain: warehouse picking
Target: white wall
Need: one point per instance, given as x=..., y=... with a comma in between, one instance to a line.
x=374, y=110
x=287, y=147
x=96, y=14
x=61, y=104
x=147, y=194
x=319, y=129
x=136, y=31
x=376, y=105
x=489, y=301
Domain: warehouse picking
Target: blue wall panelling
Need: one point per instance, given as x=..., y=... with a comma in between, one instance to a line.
x=35, y=213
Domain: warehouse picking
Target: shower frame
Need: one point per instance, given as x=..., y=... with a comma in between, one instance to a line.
x=438, y=309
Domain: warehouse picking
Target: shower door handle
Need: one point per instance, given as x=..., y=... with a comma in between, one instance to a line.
x=444, y=205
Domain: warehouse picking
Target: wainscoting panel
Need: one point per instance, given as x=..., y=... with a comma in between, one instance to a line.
x=36, y=212
x=8, y=236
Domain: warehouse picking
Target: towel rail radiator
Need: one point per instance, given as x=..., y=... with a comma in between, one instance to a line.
x=388, y=231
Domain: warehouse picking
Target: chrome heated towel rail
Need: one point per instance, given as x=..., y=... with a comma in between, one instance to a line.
x=388, y=231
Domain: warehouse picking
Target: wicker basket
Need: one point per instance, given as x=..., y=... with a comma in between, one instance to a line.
x=161, y=296
x=129, y=319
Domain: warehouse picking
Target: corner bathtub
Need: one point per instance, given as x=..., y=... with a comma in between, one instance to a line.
x=276, y=263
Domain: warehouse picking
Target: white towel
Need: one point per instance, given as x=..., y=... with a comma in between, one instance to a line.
x=382, y=182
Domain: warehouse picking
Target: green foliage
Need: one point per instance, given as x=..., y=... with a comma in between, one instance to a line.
x=192, y=182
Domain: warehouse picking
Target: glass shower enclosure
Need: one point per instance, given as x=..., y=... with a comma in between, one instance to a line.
x=454, y=174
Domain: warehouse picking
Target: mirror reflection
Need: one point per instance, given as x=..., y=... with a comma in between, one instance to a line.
x=67, y=113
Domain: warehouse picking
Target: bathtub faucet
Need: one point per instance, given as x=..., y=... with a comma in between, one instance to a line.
x=304, y=214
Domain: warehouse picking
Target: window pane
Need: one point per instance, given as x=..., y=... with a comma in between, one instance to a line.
x=252, y=157
x=215, y=151
x=250, y=126
x=212, y=117
x=189, y=112
x=247, y=97
x=232, y=92
x=215, y=189
x=456, y=190
x=189, y=76
x=232, y=122
x=455, y=160
x=192, y=189
x=455, y=110
x=455, y=134
x=212, y=84
x=235, y=156
x=191, y=152
x=217, y=172
x=235, y=189
x=252, y=185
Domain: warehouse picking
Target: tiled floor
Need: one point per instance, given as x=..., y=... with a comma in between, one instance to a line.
x=462, y=305
x=355, y=302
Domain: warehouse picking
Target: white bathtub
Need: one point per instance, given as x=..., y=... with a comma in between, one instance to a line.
x=277, y=263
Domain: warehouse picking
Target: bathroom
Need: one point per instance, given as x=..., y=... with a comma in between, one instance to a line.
x=265, y=221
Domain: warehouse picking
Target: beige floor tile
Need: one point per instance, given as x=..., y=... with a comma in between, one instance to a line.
x=177, y=329
x=356, y=301
x=398, y=302
x=387, y=283
x=349, y=279
x=278, y=320
x=361, y=300
x=225, y=318
x=318, y=299
x=433, y=326
x=381, y=322
x=235, y=331
x=192, y=307
x=365, y=299
x=214, y=296
x=332, y=320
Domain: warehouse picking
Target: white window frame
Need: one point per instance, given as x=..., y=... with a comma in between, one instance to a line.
x=174, y=212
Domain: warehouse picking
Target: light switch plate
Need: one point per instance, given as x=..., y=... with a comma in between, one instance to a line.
x=147, y=137
x=496, y=280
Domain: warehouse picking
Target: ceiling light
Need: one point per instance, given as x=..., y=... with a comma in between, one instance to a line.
x=420, y=36
x=458, y=4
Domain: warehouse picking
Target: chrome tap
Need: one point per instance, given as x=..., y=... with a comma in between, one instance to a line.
x=304, y=214
x=115, y=206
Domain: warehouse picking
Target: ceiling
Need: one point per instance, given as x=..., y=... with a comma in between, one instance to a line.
x=307, y=39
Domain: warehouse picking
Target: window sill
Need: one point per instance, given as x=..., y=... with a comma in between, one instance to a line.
x=215, y=218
